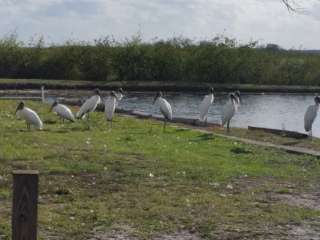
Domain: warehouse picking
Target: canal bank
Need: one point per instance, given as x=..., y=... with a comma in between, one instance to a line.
x=152, y=86
x=272, y=110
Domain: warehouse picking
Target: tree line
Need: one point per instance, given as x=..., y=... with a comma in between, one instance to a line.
x=219, y=60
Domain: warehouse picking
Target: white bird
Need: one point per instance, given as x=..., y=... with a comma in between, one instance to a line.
x=205, y=104
x=110, y=106
x=30, y=116
x=311, y=115
x=165, y=108
x=119, y=94
x=62, y=111
x=238, y=99
x=228, y=111
x=43, y=98
x=89, y=105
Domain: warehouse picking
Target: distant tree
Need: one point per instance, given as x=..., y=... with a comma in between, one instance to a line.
x=288, y=4
x=273, y=47
x=292, y=5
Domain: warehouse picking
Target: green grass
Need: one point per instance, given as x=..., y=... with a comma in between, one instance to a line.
x=129, y=179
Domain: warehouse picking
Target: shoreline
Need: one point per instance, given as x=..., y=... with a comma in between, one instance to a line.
x=20, y=84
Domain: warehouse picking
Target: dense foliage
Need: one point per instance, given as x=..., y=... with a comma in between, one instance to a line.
x=220, y=60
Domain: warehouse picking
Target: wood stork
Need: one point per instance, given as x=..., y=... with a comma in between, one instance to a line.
x=205, y=104
x=238, y=98
x=43, y=98
x=89, y=105
x=30, y=116
x=62, y=111
x=311, y=115
x=165, y=108
x=119, y=94
x=228, y=111
x=110, y=106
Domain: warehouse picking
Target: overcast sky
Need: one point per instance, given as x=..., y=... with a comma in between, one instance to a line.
x=263, y=20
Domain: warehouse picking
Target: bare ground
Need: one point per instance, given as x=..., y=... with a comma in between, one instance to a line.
x=308, y=230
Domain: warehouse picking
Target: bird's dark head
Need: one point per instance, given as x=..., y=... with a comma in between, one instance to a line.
x=55, y=103
x=120, y=90
x=20, y=106
x=97, y=92
x=211, y=91
x=113, y=94
x=317, y=100
x=233, y=98
x=238, y=96
x=159, y=94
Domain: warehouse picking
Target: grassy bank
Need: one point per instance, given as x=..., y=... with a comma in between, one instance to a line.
x=132, y=183
x=308, y=143
x=151, y=86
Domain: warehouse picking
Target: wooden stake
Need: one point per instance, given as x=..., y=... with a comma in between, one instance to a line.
x=24, y=207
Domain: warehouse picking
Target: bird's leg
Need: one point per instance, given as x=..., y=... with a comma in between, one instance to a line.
x=87, y=123
x=228, y=126
x=150, y=130
x=88, y=120
x=310, y=134
x=164, y=125
x=63, y=120
x=206, y=121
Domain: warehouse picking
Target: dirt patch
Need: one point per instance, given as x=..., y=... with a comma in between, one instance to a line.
x=310, y=231
x=245, y=183
x=271, y=191
x=114, y=235
x=184, y=235
x=306, y=200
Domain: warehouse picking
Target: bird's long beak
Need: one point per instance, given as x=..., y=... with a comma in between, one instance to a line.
x=16, y=111
x=50, y=110
x=155, y=99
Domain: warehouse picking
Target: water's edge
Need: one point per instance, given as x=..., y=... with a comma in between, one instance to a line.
x=151, y=86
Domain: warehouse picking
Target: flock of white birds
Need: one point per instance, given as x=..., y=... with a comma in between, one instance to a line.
x=110, y=102
x=64, y=112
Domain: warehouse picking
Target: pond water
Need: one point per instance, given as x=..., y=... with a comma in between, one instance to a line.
x=280, y=111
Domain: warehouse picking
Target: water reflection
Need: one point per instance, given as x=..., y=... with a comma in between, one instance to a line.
x=281, y=111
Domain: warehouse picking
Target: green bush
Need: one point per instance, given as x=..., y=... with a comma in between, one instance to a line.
x=220, y=60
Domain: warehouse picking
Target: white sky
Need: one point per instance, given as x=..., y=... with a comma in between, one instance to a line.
x=263, y=20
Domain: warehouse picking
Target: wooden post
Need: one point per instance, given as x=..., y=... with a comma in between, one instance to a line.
x=24, y=207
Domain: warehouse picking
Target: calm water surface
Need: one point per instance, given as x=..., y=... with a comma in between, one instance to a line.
x=281, y=111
